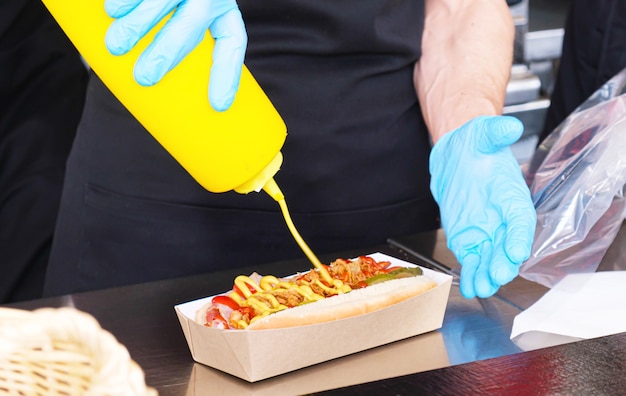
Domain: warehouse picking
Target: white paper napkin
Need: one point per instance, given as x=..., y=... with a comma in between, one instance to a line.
x=581, y=306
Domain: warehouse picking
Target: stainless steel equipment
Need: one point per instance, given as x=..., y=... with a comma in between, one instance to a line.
x=538, y=41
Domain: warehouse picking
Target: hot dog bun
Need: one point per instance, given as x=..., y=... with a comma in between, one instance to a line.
x=356, y=302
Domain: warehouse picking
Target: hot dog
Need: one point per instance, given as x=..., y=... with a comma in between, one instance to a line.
x=343, y=289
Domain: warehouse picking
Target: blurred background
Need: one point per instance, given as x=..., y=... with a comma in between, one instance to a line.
x=539, y=37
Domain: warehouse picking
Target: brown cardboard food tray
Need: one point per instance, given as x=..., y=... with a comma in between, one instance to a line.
x=412, y=355
x=254, y=355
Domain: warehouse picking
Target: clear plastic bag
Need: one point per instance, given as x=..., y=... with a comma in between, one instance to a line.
x=576, y=178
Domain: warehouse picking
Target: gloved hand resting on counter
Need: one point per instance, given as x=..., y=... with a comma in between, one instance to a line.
x=486, y=208
x=178, y=37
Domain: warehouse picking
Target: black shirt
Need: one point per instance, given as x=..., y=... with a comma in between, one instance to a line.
x=355, y=167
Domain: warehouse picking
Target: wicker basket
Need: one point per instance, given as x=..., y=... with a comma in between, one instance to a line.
x=63, y=351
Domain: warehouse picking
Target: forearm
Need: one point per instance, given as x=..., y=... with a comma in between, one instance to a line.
x=467, y=50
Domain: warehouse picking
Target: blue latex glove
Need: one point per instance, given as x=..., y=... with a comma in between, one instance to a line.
x=486, y=208
x=180, y=35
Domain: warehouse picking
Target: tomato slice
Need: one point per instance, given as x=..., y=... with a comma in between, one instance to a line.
x=227, y=301
x=361, y=285
x=238, y=291
x=232, y=304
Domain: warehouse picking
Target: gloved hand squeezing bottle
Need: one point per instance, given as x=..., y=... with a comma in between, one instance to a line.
x=179, y=36
x=486, y=208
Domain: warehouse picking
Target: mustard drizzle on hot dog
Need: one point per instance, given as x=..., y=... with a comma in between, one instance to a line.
x=264, y=302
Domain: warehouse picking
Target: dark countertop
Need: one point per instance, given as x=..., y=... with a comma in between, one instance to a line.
x=590, y=367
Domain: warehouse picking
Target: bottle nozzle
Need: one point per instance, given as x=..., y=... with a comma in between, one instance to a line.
x=261, y=179
x=272, y=189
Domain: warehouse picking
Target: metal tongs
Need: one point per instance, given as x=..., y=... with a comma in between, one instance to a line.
x=424, y=261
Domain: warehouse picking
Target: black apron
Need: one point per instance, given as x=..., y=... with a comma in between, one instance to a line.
x=355, y=167
x=594, y=50
x=42, y=89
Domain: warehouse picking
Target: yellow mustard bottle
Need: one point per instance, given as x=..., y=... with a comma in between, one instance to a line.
x=238, y=149
x=222, y=151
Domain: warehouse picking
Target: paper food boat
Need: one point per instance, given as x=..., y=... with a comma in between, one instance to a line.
x=254, y=355
x=412, y=355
